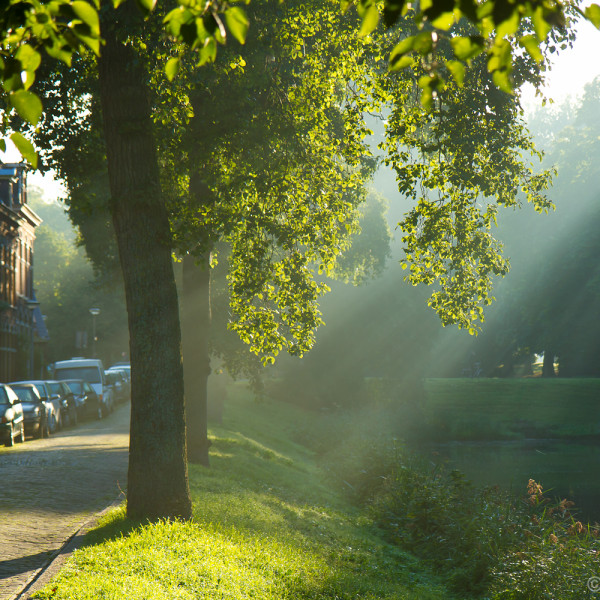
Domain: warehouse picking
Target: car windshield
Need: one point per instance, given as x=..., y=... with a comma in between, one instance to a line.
x=90, y=374
x=25, y=394
x=3, y=396
x=54, y=387
x=74, y=386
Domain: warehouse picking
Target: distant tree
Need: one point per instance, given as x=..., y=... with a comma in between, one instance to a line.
x=66, y=288
x=459, y=183
x=53, y=212
x=548, y=305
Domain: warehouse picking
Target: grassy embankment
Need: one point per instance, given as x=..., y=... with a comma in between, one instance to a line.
x=266, y=526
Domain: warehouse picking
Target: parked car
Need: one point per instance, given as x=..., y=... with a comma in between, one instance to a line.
x=86, y=400
x=67, y=400
x=54, y=415
x=90, y=370
x=35, y=409
x=126, y=375
x=121, y=365
x=12, y=419
x=117, y=381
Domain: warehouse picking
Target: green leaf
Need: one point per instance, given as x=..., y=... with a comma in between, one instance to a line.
x=28, y=105
x=63, y=54
x=508, y=26
x=2, y=145
x=146, y=6
x=25, y=147
x=426, y=81
x=541, y=26
x=87, y=14
x=444, y=21
x=466, y=48
x=29, y=58
x=423, y=43
x=500, y=57
x=457, y=69
x=592, y=14
x=502, y=81
x=237, y=23
x=11, y=75
x=402, y=48
x=117, y=3
x=427, y=98
x=93, y=42
x=402, y=63
x=367, y=9
x=530, y=43
x=208, y=52
x=392, y=10
x=172, y=67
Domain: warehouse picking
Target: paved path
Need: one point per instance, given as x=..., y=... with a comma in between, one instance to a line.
x=50, y=487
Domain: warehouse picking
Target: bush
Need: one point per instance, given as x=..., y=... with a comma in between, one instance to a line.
x=487, y=542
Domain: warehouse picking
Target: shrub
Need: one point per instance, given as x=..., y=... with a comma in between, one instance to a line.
x=485, y=541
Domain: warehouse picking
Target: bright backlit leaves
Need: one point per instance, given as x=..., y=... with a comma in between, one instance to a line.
x=498, y=30
x=61, y=28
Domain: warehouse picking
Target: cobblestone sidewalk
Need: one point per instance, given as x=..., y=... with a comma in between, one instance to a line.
x=50, y=487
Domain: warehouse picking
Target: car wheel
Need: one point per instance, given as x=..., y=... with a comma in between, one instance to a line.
x=73, y=419
x=22, y=434
x=11, y=437
x=52, y=425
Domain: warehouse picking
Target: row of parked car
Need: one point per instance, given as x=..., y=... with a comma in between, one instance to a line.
x=81, y=389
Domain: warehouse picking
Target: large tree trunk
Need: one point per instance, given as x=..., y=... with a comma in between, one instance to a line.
x=196, y=323
x=157, y=481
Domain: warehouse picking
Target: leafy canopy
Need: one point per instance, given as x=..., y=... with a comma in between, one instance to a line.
x=501, y=30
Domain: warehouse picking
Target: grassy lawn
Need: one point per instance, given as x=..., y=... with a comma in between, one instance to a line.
x=266, y=525
x=512, y=408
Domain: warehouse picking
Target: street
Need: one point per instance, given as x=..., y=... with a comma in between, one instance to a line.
x=50, y=487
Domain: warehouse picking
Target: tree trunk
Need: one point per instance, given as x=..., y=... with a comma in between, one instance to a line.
x=196, y=323
x=157, y=481
x=548, y=364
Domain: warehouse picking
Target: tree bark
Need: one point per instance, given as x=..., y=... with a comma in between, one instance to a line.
x=196, y=321
x=548, y=364
x=157, y=481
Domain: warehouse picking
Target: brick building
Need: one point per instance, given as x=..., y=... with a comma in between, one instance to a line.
x=20, y=317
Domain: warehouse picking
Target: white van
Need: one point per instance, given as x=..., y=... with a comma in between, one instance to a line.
x=90, y=370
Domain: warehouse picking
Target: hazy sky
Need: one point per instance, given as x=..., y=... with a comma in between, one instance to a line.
x=571, y=69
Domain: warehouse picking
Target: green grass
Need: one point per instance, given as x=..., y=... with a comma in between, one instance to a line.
x=266, y=526
x=512, y=408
